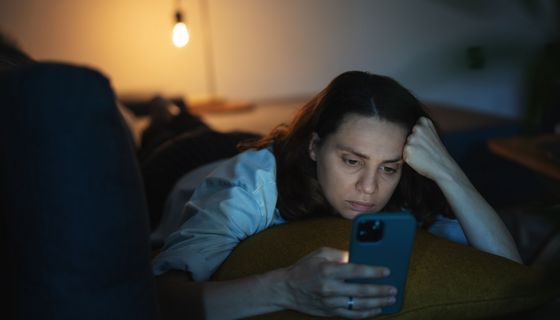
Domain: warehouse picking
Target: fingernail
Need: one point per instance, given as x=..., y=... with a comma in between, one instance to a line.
x=393, y=291
x=391, y=300
x=386, y=272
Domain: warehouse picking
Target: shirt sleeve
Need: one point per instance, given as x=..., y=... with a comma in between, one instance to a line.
x=236, y=201
x=449, y=229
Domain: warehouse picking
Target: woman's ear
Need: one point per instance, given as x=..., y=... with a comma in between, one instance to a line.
x=313, y=146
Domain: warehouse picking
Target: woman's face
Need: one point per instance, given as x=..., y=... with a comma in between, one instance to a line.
x=359, y=165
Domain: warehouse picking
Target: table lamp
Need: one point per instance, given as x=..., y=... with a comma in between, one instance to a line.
x=180, y=38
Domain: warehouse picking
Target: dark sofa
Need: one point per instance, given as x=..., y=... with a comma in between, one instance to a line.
x=75, y=220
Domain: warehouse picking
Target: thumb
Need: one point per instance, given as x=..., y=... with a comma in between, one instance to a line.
x=331, y=254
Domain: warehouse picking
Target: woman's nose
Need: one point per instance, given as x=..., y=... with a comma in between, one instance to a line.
x=367, y=183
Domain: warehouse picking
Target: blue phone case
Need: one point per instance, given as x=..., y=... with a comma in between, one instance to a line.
x=392, y=248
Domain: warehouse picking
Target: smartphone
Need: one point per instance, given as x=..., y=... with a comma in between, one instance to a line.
x=384, y=239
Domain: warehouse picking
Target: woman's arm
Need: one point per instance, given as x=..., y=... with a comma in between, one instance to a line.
x=232, y=203
x=314, y=285
x=484, y=229
x=179, y=297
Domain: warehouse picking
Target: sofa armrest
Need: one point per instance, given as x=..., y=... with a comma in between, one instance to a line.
x=75, y=221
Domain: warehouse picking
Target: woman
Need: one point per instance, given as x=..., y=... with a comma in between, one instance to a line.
x=363, y=144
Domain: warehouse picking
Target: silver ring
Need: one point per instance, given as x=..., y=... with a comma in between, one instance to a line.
x=350, y=302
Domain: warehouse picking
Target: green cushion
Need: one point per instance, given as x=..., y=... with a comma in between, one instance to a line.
x=446, y=280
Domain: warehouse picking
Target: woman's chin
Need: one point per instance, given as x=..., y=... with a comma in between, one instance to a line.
x=350, y=214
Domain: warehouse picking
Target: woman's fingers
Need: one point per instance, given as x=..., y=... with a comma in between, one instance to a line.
x=423, y=131
x=332, y=268
x=357, y=303
x=318, y=284
x=359, y=308
x=362, y=290
x=337, y=270
x=335, y=265
x=335, y=288
x=425, y=152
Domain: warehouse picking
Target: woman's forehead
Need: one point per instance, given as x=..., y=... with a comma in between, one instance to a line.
x=370, y=136
x=355, y=123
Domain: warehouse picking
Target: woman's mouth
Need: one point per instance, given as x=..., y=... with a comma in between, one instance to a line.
x=361, y=206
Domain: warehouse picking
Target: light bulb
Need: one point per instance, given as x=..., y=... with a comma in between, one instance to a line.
x=180, y=35
x=180, y=32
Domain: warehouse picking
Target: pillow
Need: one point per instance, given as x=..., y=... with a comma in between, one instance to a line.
x=446, y=280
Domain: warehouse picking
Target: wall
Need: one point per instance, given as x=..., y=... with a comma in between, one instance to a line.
x=268, y=49
x=130, y=40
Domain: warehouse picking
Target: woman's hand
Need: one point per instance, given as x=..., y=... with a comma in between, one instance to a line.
x=426, y=154
x=317, y=285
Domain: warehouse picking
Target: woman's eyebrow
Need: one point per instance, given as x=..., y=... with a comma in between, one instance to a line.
x=349, y=149
x=363, y=156
x=393, y=160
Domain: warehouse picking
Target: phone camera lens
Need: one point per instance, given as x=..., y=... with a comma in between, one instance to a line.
x=370, y=231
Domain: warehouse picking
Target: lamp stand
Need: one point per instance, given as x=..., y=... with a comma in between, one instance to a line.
x=214, y=103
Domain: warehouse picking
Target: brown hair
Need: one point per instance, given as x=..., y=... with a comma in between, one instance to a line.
x=353, y=92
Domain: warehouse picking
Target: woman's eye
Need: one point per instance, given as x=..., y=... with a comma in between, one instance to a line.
x=389, y=170
x=351, y=162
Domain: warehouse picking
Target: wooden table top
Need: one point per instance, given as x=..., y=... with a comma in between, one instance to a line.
x=540, y=153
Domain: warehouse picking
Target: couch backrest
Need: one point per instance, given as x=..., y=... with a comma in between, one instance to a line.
x=74, y=216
